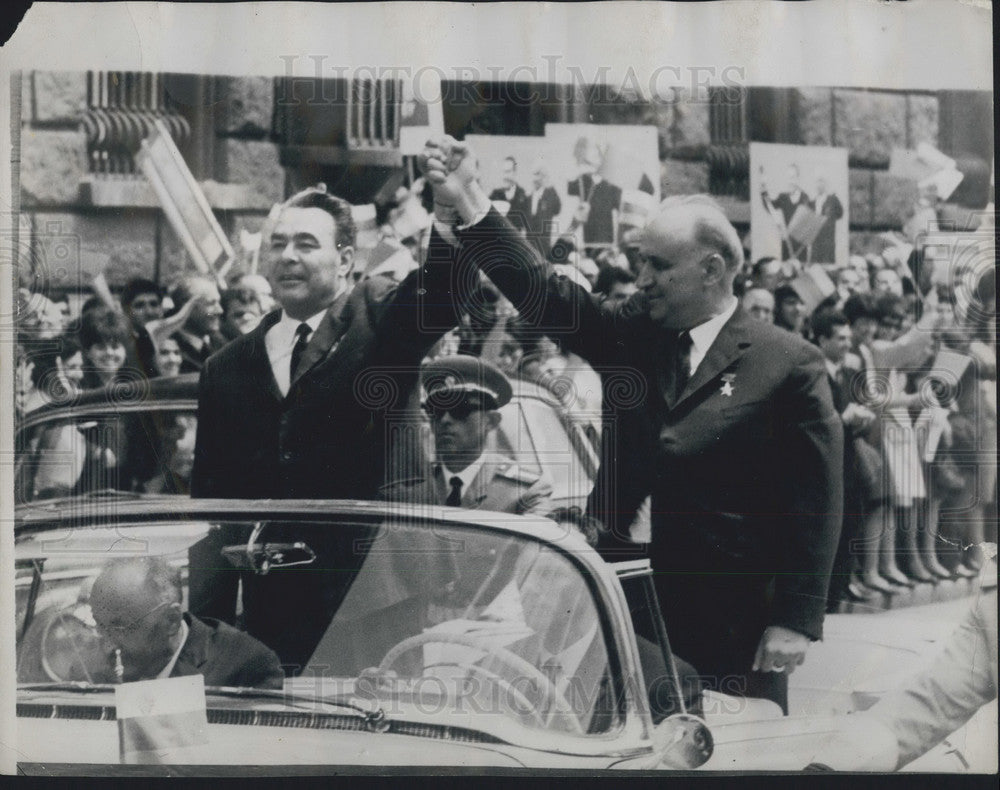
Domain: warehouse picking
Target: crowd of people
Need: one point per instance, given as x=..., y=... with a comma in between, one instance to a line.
x=787, y=455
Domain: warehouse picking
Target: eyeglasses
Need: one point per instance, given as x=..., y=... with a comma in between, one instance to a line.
x=124, y=630
x=458, y=411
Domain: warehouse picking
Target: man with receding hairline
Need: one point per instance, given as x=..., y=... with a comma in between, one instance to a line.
x=728, y=424
x=136, y=605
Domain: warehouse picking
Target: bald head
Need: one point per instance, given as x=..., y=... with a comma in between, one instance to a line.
x=759, y=303
x=690, y=255
x=135, y=602
x=131, y=582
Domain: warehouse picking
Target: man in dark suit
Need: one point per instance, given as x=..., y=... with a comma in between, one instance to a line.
x=545, y=206
x=729, y=426
x=301, y=406
x=136, y=605
x=201, y=335
x=828, y=206
x=513, y=194
x=833, y=337
x=142, y=303
x=600, y=200
x=786, y=203
x=463, y=395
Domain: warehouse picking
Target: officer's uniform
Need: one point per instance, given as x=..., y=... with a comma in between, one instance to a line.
x=500, y=484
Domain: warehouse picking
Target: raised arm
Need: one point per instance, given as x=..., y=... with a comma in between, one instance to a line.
x=469, y=231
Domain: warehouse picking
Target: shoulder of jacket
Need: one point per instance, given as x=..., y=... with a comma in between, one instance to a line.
x=403, y=482
x=513, y=471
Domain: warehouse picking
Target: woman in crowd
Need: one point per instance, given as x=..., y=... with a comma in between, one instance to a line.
x=167, y=359
x=103, y=334
x=789, y=309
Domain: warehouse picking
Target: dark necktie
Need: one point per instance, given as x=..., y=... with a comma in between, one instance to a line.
x=455, y=497
x=682, y=364
x=302, y=332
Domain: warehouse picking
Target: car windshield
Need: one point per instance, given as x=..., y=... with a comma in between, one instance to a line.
x=474, y=621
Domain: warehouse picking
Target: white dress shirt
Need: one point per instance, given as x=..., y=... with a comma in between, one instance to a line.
x=467, y=475
x=279, y=342
x=703, y=335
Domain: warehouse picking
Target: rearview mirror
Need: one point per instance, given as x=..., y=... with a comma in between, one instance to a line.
x=261, y=558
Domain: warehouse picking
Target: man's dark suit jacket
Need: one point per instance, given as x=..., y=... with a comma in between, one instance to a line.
x=787, y=207
x=227, y=657
x=746, y=488
x=140, y=353
x=540, y=221
x=604, y=198
x=520, y=206
x=192, y=359
x=224, y=656
x=326, y=439
x=824, y=245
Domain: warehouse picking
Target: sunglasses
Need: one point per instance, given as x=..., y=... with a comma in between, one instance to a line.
x=458, y=411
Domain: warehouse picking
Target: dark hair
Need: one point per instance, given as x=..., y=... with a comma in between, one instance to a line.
x=825, y=321
x=610, y=276
x=102, y=325
x=785, y=293
x=560, y=251
x=589, y=526
x=859, y=306
x=239, y=294
x=338, y=208
x=759, y=265
x=891, y=305
x=91, y=303
x=137, y=286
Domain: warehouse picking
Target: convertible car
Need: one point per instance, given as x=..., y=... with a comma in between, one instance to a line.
x=418, y=637
x=142, y=439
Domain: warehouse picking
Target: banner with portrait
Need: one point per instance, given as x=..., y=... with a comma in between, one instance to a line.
x=799, y=203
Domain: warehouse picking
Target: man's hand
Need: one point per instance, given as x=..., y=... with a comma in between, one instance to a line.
x=453, y=173
x=858, y=416
x=780, y=650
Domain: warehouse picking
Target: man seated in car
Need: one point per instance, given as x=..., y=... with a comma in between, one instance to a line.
x=136, y=607
x=463, y=395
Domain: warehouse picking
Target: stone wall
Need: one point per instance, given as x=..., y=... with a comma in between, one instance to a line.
x=73, y=239
x=868, y=123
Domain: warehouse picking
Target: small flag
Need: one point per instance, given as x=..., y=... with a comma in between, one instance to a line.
x=949, y=366
x=813, y=286
x=159, y=721
x=944, y=182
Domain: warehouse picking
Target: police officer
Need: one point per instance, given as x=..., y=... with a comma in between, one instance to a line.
x=463, y=394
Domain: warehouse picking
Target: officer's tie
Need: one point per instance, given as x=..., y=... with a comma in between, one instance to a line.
x=455, y=497
x=302, y=332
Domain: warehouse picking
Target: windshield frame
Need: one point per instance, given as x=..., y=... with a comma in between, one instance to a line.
x=631, y=731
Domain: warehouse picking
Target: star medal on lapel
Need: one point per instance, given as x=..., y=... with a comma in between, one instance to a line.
x=727, y=384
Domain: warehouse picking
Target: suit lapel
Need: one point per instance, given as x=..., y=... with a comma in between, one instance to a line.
x=729, y=345
x=437, y=488
x=258, y=360
x=324, y=339
x=193, y=654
